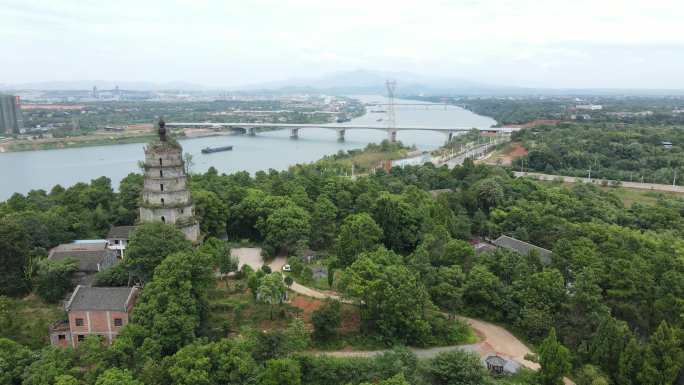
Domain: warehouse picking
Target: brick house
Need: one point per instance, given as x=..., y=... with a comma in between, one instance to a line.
x=101, y=311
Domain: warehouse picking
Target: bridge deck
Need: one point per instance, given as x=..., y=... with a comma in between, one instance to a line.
x=330, y=126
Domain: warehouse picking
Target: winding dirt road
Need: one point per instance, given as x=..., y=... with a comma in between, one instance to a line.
x=494, y=339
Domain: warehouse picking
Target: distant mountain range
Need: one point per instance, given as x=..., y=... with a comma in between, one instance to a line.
x=346, y=83
x=373, y=82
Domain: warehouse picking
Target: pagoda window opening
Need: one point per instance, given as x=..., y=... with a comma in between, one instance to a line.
x=162, y=201
x=163, y=219
x=161, y=173
x=161, y=186
x=160, y=162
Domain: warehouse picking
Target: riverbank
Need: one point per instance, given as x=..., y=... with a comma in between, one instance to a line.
x=102, y=138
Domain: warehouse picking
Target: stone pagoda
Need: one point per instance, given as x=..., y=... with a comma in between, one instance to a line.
x=165, y=196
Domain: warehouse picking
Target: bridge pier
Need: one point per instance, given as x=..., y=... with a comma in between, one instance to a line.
x=251, y=131
x=391, y=135
x=340, y=134
x=294, y=133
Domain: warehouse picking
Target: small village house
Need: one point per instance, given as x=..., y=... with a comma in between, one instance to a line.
x=118, y=237
x=100, y=311
x=92, y=257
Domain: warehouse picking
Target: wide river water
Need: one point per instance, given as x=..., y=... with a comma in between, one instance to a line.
x=23, y=171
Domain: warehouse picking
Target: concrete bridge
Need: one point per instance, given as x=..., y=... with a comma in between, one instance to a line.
x=250, y=128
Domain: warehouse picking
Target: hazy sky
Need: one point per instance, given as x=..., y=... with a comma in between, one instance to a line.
x=544, y=43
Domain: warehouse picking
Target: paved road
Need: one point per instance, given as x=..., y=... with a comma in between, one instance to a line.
x=573, y=179
x=475, y=152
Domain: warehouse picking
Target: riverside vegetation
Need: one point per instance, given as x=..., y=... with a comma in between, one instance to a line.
x=608, y=309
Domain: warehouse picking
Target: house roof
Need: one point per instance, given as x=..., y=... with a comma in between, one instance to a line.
x=88, y=259
x=483, y=248
x=100, y=244
x=87, y=298
x=523, y=248
x=120, y=232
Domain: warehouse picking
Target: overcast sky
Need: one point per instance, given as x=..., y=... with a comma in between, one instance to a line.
x=228, y=43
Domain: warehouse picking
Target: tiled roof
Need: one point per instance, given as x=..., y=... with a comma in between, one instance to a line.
x=88, y=259
x=101, y=298
x=120, y=232
x=523, y=248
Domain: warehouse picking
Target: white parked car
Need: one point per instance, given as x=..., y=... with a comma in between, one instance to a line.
x=287, y=268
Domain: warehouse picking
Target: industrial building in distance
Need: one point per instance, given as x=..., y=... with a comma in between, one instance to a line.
x=11, y=120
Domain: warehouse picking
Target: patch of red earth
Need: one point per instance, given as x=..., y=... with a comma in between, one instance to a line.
x=351, y=317
x=517, y=150
x=308, y=306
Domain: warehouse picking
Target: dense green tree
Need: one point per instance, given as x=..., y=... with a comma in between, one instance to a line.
x=358, y=233
x=14, y=251
x=211, y=212
x=14, y=358
x=485, y=294
x=323, y=223
x=455, y=252
x=54, y=279
x=116, y=376
x=298, y=335
x=285, y=227
x=271, y=290
x=554, y=360
x=326, y=320
x=629, y=364
x=281, y=372
x=66, y=379
x=591, y=375
x=489, y=192
x=395, y=380
x=457, y=368
x=663, y=357
x=173, y=305
x=398, y=221
x=392, y=298
x=52, y=363
x=150, y=243
x=540, y=296
x=130, y=191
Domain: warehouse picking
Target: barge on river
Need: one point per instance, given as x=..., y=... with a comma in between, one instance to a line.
x=210, y=150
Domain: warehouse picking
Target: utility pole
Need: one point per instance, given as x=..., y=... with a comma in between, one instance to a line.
x=391, y=116
x=589, y=174
x=674, y=180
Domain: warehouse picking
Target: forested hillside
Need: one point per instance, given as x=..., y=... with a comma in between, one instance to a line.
x=619, y=152
x=613, y=293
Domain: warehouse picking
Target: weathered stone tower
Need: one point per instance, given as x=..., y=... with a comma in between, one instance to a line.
x=165, y=195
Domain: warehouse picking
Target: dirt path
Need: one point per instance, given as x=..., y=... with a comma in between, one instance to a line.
x=494, y=339
x=277, y=265
x=248, y=256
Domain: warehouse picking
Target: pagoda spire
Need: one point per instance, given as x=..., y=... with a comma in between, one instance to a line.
x=162, y=129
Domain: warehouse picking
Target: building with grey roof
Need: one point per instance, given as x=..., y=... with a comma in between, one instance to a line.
x=524, y=248
x=99, y=311
x=92, y=257
x=118, y=237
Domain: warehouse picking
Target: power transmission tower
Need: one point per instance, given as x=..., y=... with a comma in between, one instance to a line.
x=391, y=117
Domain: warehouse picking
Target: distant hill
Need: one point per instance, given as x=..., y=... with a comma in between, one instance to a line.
x=350, y=82
x=373, y=82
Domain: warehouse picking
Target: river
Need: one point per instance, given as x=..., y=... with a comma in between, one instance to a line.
x=24, y=171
